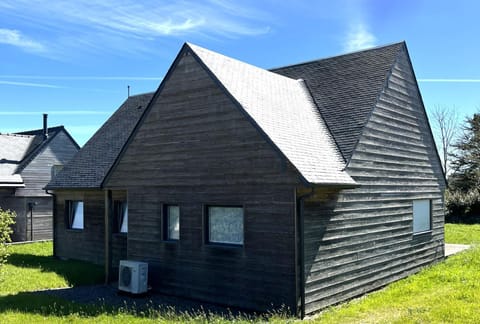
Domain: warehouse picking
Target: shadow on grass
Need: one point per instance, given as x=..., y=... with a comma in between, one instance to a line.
x=35, y=303
x=75, y=272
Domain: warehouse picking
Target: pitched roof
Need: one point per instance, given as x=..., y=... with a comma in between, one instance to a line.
x=13, y=149
x=284, y=111
x=313, y=113
x=18, y=150
x=90, y=165
x=345, y=89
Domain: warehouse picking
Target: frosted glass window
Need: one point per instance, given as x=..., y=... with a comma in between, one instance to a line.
x=75, y=214
x=421, y=216
x=173, y=222
x=225, y=225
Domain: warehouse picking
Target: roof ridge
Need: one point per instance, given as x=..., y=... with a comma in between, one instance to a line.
x=16, y=135
x=337, y=56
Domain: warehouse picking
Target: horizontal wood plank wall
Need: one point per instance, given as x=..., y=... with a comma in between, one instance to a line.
x=38, y=172
x=195, y=148
x=361, y=239
x=87, y=244
x=8, y=201
x=36, y=175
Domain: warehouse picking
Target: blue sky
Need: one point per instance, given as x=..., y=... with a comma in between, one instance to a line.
x=75, y=59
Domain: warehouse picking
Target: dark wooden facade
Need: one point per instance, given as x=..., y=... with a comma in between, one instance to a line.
x=361, y=239
x=33, y=206
x=195, y=147
x=207, y=153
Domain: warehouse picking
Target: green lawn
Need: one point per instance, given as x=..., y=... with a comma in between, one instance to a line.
x=448, y=292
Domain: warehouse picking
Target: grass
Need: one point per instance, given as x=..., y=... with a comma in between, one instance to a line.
x=462, y=234
x=445, y=292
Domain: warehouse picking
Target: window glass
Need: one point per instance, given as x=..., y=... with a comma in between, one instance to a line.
x=123, y=217
x=76, y=214
x=173, y=222
x=421, y=216
x=225, y=225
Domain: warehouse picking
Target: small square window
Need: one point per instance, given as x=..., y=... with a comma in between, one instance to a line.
x=171, y=223
x=74, y=213
x=422, y=219
x=225, y=225
x=120, y=221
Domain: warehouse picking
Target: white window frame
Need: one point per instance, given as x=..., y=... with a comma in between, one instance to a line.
x=422, y=216
x=213, y=214
x=76, y=214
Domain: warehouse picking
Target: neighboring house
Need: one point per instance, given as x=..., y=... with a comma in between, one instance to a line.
x=302, y=186
x=27, y=162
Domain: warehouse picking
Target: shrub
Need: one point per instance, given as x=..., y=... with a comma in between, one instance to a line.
x=462, y=207
x=7, y=219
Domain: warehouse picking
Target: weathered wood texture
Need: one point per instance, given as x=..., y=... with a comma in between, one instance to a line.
x=87, y=244
x=361, y=239
x=38, y=172
x=36, y=175
x=194, y=148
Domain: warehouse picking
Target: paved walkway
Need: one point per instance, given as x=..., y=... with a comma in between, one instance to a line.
x=451, y=249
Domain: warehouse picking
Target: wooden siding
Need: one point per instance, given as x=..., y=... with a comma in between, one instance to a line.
x=36, y=175
x=361, y=239
x=38, y=172
x=87, y=244
x=195, y=148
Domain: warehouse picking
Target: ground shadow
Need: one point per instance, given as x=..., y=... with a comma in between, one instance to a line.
x=75, y=272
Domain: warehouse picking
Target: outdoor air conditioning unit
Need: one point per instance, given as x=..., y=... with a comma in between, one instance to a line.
x=132, y=276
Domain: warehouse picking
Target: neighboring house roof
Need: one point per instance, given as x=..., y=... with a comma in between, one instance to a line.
x=314, y=123
x=90, y=165
x=345, y=89
x=19, y=149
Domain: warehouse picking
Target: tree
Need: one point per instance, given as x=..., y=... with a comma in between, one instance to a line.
x=446, y=126
x=466, y=159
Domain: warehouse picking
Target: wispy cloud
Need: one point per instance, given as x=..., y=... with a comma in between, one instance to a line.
x=128, y=25
x=80, y=78
x=450, y=80
x=30, y=84
x=16, y=38
x=359, y=38
x=55, y=112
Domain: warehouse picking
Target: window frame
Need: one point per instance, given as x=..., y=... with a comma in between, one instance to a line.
x=70, y=218
x=166, y=223
x=414, y=216
x=118, y=220
x=206, y=212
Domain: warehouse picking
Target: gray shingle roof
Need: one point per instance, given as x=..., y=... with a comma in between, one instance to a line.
x=90, y=165
x=345, y=89
x=18, y=150
x=283, y=109
x=313, y=123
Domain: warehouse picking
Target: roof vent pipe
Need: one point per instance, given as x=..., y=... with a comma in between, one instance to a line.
x=45, y=126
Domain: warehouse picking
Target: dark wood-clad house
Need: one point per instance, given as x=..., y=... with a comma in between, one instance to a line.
x=27, y=162
x=301, y=186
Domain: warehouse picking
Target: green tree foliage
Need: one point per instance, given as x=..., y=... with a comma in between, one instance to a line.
x=463, y=198
x=7, y=219
x=466, y=159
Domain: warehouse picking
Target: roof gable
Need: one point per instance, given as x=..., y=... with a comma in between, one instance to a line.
x=345, y=89
x=89, y=167
x=283, y=110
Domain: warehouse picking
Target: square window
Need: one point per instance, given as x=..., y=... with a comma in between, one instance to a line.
x=225, y=225
x=422, y=220
x=120, y=221
x=171, y=221
x=74, y=214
